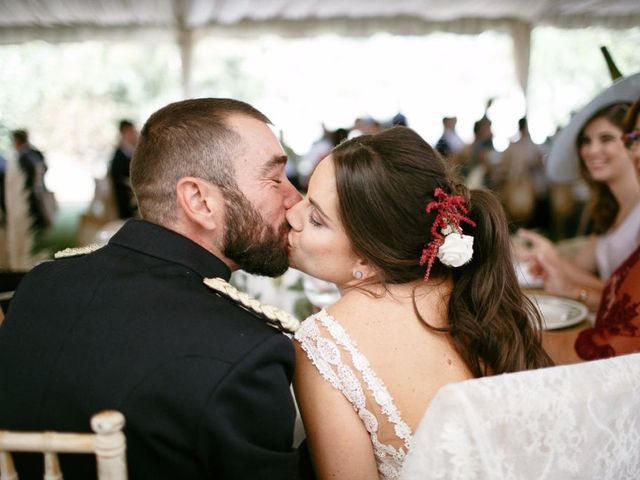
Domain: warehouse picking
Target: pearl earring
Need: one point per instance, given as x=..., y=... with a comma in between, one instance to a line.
x=357, y=274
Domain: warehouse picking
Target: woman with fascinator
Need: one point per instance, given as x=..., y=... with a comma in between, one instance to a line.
x=429, y=297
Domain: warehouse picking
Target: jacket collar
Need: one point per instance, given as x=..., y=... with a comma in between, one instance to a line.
x=157, y=241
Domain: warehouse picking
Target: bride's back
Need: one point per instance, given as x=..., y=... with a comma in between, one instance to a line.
x=410, y=359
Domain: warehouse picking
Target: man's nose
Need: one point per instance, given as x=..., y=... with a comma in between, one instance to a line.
x=292, y=196
x=293, y=217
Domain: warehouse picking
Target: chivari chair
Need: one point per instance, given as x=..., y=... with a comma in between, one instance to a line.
x=107, y=443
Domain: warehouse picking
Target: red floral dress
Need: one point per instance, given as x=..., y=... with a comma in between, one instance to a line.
x=617, y=327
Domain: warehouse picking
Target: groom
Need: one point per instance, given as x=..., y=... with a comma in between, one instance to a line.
x=202, y=382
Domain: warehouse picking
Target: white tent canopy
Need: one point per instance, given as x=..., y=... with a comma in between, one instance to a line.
x=187, y=20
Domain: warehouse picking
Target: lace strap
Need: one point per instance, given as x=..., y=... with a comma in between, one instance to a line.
x=374, y=384
x=325, y=354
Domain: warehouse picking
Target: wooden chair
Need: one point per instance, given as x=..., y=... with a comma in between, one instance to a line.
x=107, y=443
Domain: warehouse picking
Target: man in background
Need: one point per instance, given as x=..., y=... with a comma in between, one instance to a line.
x=119, y=170
x=450, y=143
x=33, y=166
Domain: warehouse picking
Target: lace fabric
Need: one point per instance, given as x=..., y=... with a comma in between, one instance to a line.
x=569, y=422
x=339, y=361
x=617, y=327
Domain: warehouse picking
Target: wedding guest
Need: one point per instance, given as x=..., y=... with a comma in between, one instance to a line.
x=615, y=211
x=617, y=325
x=429, y=297
x=3, y=170
x=525, y=184
x=203, y=381
x=119, y=169
x=477, y=159
x=33, y=166
x=449, y=143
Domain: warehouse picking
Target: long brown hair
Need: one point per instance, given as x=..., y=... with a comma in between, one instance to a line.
x=603, y=206
x=632, y=116
x=384, y=182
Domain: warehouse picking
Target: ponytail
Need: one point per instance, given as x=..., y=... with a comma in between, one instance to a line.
x=493, y=325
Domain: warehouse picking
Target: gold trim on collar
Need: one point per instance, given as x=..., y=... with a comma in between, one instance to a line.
x=275, y=316
x=74, y=252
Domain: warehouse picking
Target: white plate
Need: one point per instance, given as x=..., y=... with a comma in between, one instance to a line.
x=559, y=312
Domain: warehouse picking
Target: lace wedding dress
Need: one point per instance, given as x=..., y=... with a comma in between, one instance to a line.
x=339, y=361
x=570, y=422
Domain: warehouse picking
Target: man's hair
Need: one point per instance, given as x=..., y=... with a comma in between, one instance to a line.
x=187, y=138
x=20, y=136
x=124, y=124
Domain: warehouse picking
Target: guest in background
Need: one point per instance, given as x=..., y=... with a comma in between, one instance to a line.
x=525, y=186
x=617, y=326
x=477, y=159
x=615, y=209
x=319, y=150
x=3, y=170
x=33, y=166
x=119, y=169
x=365, y=126
x=450, y=143
x=399, y=119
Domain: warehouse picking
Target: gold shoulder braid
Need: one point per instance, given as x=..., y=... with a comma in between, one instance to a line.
x=74, y=252
x=276, y=317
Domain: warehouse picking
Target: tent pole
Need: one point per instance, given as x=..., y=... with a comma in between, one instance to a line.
x=185, y=44
x=521, y=36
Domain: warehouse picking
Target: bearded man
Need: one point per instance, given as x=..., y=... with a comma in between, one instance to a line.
x=202, y=382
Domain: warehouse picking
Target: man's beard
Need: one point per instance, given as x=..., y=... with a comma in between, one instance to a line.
x=249, y=241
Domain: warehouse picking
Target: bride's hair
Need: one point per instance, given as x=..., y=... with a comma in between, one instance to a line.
x=384, y=183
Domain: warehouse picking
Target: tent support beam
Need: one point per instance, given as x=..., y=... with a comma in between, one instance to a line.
x=185, y=44
x=521, y=36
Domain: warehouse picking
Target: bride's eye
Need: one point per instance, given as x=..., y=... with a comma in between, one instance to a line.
x=313, y=220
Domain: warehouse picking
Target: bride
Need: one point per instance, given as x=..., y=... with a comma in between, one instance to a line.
x=429, y=297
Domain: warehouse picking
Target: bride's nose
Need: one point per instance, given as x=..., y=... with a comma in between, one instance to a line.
x=294, y=216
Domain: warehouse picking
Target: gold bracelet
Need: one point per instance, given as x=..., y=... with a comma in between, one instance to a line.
x=583, y=295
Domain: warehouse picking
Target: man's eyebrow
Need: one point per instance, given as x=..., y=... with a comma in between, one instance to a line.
x=317, y=207
x=273, y=163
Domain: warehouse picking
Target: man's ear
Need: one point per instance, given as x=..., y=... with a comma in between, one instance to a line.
x=200, y=201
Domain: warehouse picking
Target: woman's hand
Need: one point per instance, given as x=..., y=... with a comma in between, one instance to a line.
x=539, y=245
x=556, y=281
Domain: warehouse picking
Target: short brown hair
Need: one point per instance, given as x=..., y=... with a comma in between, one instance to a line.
x=187, y=138
x=20, y=136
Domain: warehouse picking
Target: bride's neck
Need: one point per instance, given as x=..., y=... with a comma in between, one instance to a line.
x=404, y=292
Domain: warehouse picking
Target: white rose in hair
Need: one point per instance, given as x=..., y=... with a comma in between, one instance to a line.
x=456, y=250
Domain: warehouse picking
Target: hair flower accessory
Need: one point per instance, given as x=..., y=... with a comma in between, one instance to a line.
x=447, y=240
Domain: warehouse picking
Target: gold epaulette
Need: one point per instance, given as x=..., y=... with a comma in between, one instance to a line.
x=74, y=252
x=275, y=316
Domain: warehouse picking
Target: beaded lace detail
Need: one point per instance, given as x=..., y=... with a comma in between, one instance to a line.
x=325, y=354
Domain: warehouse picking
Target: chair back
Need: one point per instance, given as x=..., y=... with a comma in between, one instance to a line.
x=107, y=444
x=570, y=422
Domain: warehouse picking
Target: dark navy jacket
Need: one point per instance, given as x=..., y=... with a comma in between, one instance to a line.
x=203, y=383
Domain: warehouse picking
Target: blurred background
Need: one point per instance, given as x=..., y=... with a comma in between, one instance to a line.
x=70, y=70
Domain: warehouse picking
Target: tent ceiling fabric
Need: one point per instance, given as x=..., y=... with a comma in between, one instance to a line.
x=65, y=20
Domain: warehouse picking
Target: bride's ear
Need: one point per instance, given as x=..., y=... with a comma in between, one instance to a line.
x=363, y=270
